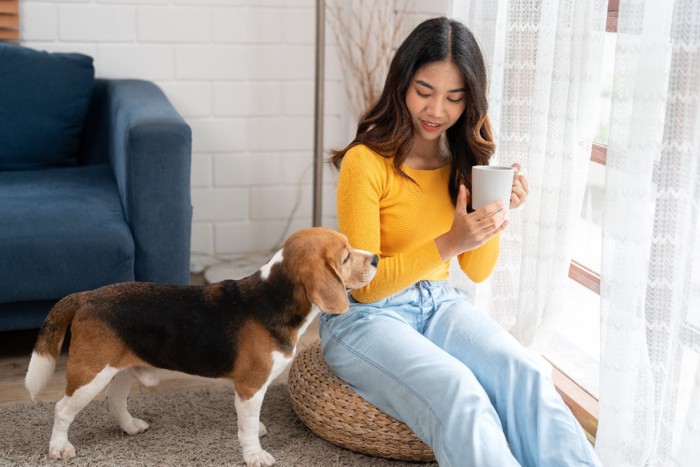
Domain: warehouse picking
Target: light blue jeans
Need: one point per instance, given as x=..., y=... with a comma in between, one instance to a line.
x=465, y=386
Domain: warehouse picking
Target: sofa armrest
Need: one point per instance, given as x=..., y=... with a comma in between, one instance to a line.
x=149, y=148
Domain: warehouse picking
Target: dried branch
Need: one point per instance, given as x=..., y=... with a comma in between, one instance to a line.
x=366, y=36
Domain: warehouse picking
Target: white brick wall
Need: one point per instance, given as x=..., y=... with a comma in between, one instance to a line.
x=241, y=72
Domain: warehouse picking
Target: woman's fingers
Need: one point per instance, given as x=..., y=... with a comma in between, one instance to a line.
x=520, y=188
x=501, y=227
x=523, y=183
x=489, y=210
x=514, y=200
x=517, y=195
x=471, y=230
x=520, y=192
x=461, y=205
x=490, y=217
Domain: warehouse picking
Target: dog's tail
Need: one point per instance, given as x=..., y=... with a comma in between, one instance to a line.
x=48, y=344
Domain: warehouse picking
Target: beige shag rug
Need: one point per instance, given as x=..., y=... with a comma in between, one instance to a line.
x=187, y=429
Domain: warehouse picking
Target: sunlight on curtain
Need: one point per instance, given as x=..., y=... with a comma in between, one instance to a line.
x=650, y=283
x=545, y=66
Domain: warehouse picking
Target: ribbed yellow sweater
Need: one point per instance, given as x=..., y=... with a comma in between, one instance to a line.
x=382, y=212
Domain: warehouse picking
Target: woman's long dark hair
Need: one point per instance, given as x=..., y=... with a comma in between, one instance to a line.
x=387, y=127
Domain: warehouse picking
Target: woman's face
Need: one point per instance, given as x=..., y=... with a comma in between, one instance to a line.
x=435, y=99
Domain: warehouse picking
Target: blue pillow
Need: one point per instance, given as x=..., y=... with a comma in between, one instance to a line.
x=44, y=98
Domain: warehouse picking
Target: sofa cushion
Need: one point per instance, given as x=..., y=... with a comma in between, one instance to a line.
x=44, y=98
x=63, y=231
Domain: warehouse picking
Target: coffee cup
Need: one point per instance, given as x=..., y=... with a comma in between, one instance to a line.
x=491, y=183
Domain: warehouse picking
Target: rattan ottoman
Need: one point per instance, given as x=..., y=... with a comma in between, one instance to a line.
x=336, y=413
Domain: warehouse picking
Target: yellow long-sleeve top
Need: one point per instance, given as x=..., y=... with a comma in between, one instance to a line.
x=384, y=213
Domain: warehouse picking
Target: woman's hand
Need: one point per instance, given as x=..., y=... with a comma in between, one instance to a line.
x=471, y=230
x=520, y=188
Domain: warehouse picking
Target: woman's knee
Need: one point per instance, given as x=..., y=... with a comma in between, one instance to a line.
x=526, y=369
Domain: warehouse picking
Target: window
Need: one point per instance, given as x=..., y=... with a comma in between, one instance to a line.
x=575, y=347
x=9, y=20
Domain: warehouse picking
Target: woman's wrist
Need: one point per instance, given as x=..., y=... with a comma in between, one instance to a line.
x=446, y=247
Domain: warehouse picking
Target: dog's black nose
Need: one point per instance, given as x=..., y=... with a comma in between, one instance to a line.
x=375, y=260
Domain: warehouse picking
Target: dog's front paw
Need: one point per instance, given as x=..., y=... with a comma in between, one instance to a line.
x=262, y=430
x=259, y=458
x=135, y=426
x=63, y=451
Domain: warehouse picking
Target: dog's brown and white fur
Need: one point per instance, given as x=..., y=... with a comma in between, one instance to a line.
x=245, y=331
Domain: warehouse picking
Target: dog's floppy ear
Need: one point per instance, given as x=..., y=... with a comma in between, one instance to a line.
x=327, y=290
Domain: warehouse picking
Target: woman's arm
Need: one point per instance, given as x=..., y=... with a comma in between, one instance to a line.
x=478, y=264
x=361, y=185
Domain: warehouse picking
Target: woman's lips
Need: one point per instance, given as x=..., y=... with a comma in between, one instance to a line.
x=428, y=126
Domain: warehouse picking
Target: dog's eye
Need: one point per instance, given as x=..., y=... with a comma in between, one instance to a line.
x=347, y=258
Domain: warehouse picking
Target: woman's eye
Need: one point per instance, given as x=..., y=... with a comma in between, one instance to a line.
x=421, y=94
x=454, y=101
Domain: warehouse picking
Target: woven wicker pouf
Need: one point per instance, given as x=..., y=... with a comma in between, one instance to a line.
x=336, y=413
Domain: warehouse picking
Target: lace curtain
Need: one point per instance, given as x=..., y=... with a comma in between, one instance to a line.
x=544, y=59
x=650, y=279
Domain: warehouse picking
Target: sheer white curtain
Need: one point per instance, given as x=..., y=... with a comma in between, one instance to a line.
x=650, y=279
x=544, y=57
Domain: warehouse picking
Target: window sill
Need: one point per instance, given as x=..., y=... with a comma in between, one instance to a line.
x=581, y=403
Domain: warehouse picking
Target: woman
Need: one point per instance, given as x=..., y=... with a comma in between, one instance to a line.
x=411, y=344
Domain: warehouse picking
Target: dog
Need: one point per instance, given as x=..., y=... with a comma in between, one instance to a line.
x=243, y=330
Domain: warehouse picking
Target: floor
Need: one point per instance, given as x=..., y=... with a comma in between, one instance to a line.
x=16, y=348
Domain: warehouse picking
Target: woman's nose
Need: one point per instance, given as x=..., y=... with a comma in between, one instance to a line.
x=435, y=107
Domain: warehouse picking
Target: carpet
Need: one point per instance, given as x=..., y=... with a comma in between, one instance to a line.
x=187, y=429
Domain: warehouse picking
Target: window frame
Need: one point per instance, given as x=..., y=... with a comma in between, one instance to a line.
x=583, y=404
x=9, y=21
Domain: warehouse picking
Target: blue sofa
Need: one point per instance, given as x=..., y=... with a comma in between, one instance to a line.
x=94, y=183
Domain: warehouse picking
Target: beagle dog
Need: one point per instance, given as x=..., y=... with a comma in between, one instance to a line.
x=244, y=330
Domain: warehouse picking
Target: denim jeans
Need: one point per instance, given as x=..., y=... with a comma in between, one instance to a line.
x=465, y=386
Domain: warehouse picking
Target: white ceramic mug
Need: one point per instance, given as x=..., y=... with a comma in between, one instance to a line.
x=491, y=183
